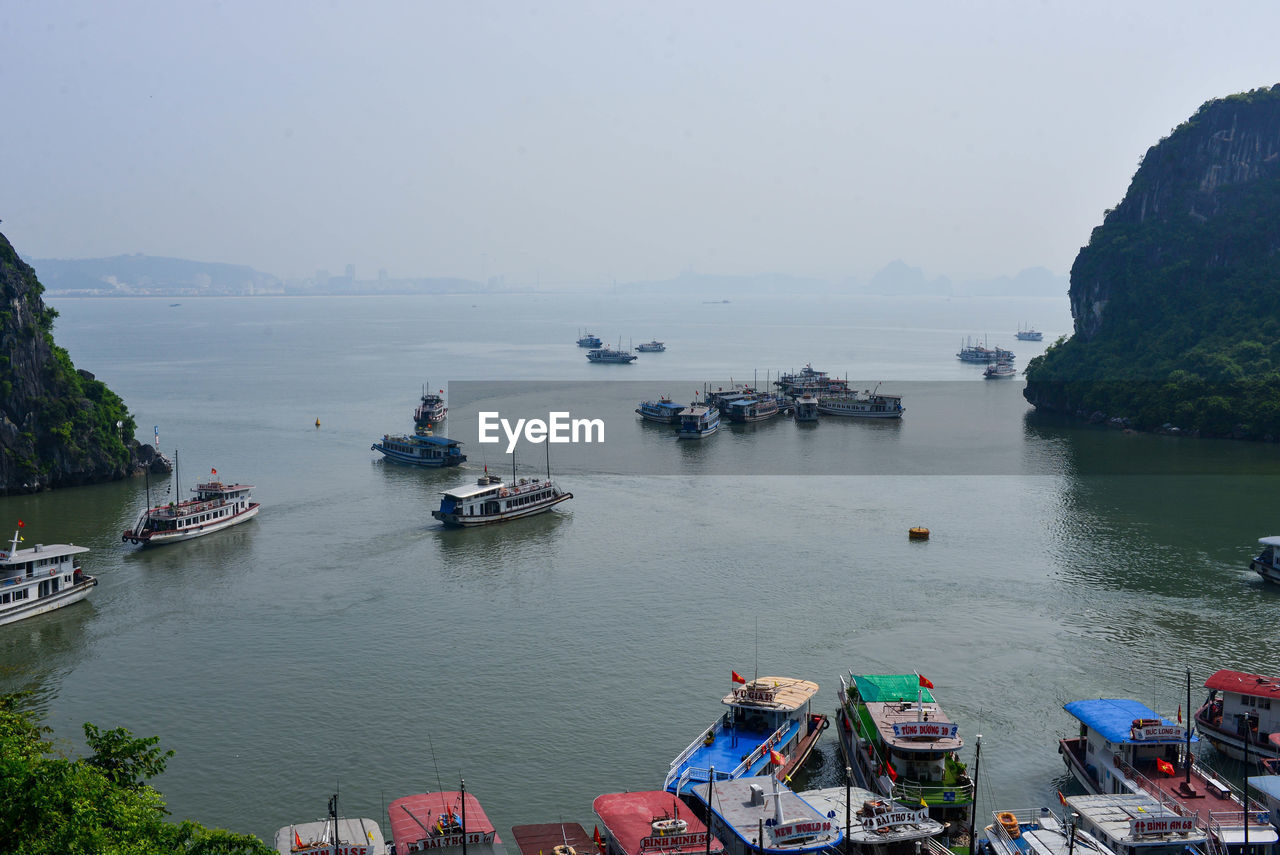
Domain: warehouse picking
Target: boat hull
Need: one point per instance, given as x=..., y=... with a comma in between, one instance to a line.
x=65, y=597
x=412, y=460
x=858, y=415
x=463, y=521
x=1268, y=572
x=155, y=538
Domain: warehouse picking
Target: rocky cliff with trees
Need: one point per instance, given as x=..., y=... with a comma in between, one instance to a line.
x=1176, y=298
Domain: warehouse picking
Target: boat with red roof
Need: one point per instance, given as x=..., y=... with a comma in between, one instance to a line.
x=449, y=822
x=553, y=838
x=1240, y=708
x=652, y=822
x=1125, y=747
x=769, y=728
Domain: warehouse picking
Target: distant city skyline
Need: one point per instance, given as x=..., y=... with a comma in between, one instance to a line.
x=583, y=144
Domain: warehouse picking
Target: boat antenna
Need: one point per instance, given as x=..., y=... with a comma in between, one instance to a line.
x=513, y=466
x=333, y=814
x=1246, y=741
x=462, y=785
x=548, y=444
x=177, y=476
x=757, y=666
x=973, y=809
x=439, y=783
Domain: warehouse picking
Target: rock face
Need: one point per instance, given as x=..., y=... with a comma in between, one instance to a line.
x=58, y=426
x=1175, y=297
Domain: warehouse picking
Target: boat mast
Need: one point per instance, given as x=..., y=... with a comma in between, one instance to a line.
x=1188, y=764
x=548, y=443
x=333, y=814
x=462, y=785
x=973, y=808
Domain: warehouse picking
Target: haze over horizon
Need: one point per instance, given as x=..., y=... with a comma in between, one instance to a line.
x=582, y=142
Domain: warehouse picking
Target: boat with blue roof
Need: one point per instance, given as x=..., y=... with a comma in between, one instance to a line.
x=769, y=728
x=421, y=449
x=663, y=411
x=589, y=340
x=1126, y=747
x=759, y=815
x=698, y=421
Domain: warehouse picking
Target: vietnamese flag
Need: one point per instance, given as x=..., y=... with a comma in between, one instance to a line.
x=213, y=471
x=599, y=841
x=737, y=678
x=889, y=770
x=776, y=758
x=925, y=682
x=21, y=524
x=1166, y=767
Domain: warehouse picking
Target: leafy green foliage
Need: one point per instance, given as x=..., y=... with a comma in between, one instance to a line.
x=100, y=804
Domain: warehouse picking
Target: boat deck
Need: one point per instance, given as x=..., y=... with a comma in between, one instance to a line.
x=730, y=747
x=628, y=819
x=542, y=838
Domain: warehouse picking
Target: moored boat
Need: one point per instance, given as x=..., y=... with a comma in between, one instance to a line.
x=40, y=578
x=902, y=745
x=868, y=404
x=806, y=407
x=491, y=500
x=421, y=450
x=769, y=726
x=1041, y=832
x=1267, y=564
x=752, y=408
x=653, y=822
x=698, y=420
x=216, y=506
x=335, y=833
x=450, y=822
x=1000, y=370
x=1029, y=334
x=431, y=409
x=663, y=411
x=879, y=826
x=654, y=346
x=553, y=838
x=1137, y=824
x=760, y=815
x=609, y=354
x=1239, y=709
x=1125, y=747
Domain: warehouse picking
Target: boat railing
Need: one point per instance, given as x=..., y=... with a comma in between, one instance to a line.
x=933, y=792
x=1148, y=786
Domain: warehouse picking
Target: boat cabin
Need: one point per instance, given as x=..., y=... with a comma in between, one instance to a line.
x=877, y=825
x=491, y=497
x=1136, y=824
x=653, y=822
x=440, y=822
x=322, y=837
x=1118, y=738
x=761, y=815
x=1240, y=707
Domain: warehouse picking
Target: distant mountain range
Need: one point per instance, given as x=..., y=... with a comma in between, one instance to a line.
x=896, y=278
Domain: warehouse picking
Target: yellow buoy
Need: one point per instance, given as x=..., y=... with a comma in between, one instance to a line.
x=317, y=423
x=918, y=533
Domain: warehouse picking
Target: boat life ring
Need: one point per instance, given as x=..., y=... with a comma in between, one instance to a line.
x=564, y=849
x=502, y=493
x=1009, y=823
x=663, y=827
x=53, y=572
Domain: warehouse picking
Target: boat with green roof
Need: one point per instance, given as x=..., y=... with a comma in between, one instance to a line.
x=901, y=744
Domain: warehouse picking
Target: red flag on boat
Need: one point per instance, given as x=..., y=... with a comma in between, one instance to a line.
x=296, y=839
x=889, y=770
x=599, y=841
x=925, y=682
x=737, y=678
x=1179, y=713
x=21, y=524
x=776, y=758
x=1062, y=798
x=1166, y=767
x=215, y=472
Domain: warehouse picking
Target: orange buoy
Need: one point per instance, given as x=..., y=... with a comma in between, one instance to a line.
x=918, y=533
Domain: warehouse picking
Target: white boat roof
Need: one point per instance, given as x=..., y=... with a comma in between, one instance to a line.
x=466, y=492
x=1114, y=814
x=40, y=550
x=897, y=822
x=316, y=837
x=1274, y=540
x=772, y=693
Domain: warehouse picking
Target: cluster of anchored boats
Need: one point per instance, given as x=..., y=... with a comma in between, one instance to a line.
x=906, y=792
x=600, y=352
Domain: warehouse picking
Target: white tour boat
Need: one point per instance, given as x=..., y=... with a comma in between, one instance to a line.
x=654, y=346
x=1138, y=824
x=698, y=420
x=608, y=354
x=1000, y=370
x=868, y=404
x=875, y=825
x=431, y=409
x=806, y=408
x=216, y=506
x=1241, y=707
x=1267, y=564
x=40, y=579
x=1029, y=334
x=740, y=811
x=491, y=500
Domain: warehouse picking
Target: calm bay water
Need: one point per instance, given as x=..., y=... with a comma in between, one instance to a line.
x=344, y=639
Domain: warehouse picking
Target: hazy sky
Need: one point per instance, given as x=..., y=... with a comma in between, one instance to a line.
x=583, y=141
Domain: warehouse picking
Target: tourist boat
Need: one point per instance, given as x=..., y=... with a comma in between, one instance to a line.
x=698, y=420
x=40, y=578
x=1268, y=786
x=651, y=822
x=1135, y=824
x=332, y=834
x=874, y=825
x=769, y=726
x=662, y=411
x=900, y=743
x=762, y=816
x=421, y=450
x=431, y=410
x=491, y=500
x=553, y=838
x=1239, y=709
x=589, y=340
x=753, y=408
x=970, y=352
x=654, y=346
x=1029, y=334
x=449, y=822
x=868, y=404
x=216, y=506
x=608, y=354
x=1267, y=564
x=1041, y=832
x=1000, y=370
x=810, y=379
x=806, y=407
x=1125, y=747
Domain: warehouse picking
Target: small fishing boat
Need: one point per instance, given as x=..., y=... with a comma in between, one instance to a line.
x=806, y=407
x=879, y=826
x=421, y=450
x=697, y=421
x=431, y=410
x=333, y=834
x=1267, y=564
x=40, y=578
x=1000, y=370
x=1239, y=709
x=1041, y=832
x=1125, y=747
x=652, y=822
x=868, y=404
x=654, y=346
x=609, y=354
x=900, y=743
x=216, y=506
x=1137, y=824
x=762, y=816
x=449, y=822
x=769, y=727
x=663, y=411
x=589, y=340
